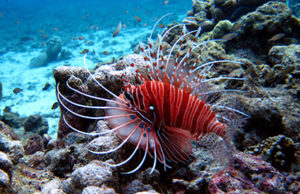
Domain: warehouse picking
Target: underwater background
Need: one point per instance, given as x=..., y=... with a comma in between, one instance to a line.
x=40, y=37
x=27, y=27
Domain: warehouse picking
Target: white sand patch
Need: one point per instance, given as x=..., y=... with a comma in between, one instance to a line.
x=16, y=73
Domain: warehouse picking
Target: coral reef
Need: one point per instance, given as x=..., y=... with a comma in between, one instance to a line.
x=54, y=45
x=280, y=151
x=33, y=144
x=12, y=119
x=269, y=138
x=250, y=174
x=36, y=124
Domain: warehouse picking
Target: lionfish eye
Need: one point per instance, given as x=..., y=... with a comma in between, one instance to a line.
x=151, y=107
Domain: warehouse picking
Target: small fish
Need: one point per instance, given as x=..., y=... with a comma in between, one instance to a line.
x=236, y=26
x=90, y=42
x=17, y=22
x=270, y=75
x=161, y=25
x=1, y=15
x=230, y=3
x=105, y=53
x=26, y=38
x=46, y=86
x=250, y=69
x=97, y=28
x=92, y=27
x=276, y=37
x=126, y=11
x=17, y=90
x=80, y=37
x=166, y=2
x=288, y=70
x=84, y=51
x=117, y=30
x=55, y=29
x=45, y=36
x=124, y=26
x=42, y=31
x=54, y=105
x=74, y=38
x=137, y=18
x=229, y=36
x=7, y=109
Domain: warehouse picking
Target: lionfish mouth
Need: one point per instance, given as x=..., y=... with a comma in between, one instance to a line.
x=171, y=106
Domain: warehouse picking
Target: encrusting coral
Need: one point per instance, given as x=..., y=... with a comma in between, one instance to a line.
x=270, y=95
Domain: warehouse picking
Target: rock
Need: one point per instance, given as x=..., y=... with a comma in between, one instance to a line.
x=280, y=151
x=46, y=140
x=5, y=163
x=93, y=174
x=293, y=182
x=68, y=187
x=7, y=131
x=284, y=65
x=52, y=144
x=105, y=143
x=60, y=161
x=51, y=186
x=13, y=148
x=65, y=54
x=31, y=180
x=33, y=144
x=12, y=119
x=33, y=160
x=51, y=53
x=203, y=160
x=136, y=186
x=97, y=190
x=74, y=137
x=109, y=75
x=56, y=191
x=230, y=181
x=53, y=48
x=62, y=74
x=221, y=28
x=36, y=124
x=145, y=192
x=271, y=116
x=248, y=174
x=286, y=55
x=39, y=61
x=267, y=18
x=4, y=179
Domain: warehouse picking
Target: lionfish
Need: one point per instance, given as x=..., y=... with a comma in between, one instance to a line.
x=170, y=107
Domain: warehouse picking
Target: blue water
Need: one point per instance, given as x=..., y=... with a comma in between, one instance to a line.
x=27, y=25
x=27, y=18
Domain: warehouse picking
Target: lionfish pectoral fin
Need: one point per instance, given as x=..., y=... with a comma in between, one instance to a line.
x=177, y=145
